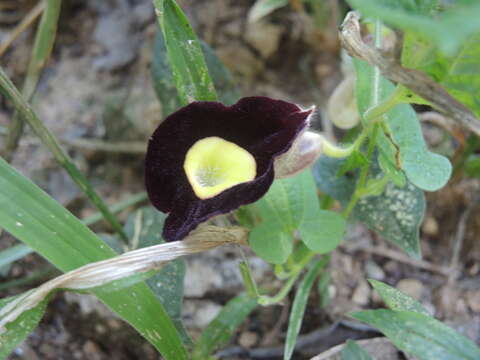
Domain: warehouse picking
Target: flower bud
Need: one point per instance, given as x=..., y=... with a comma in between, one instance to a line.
x=303, y=153
x=342, y=107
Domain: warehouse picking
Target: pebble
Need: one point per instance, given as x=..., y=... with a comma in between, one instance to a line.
x=473, y=300
x=411, y=287
x=199, y=313
x=264, y=37
x=430, y=226
x=361, y=294
x=374, y=271
x=248, y=339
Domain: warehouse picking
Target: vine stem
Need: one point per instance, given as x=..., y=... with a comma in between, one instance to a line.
x=377, y=111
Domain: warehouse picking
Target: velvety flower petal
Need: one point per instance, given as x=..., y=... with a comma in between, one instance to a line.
x=262, y=126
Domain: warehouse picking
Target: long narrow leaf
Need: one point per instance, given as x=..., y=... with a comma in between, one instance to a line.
x=221, y=329
x=185, y=54
x=44, y=40
x=33, y=217
x=298, y=308
x=25, y=111
x=420, y=335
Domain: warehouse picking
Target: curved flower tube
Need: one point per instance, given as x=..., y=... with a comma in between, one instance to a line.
x=208, y=159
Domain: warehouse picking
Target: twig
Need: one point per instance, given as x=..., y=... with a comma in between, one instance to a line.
x=270, y=336
x=458, y=240
x=375, y=342
x=123, y=266
x=438, y=119
x=22, y=26
x=415, y=80
x=400, y=257
x=315, y=337
x=129, y=147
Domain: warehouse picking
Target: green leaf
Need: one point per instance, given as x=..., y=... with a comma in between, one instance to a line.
x=420, y=335
x=354, y=161
x=292, y=204
x=298, y=308
x=447, y=29
x=144, y=227
x=185, y=55
x=164, y=85
x=270, y=243
x=222, y=328
x=262, y=8
x=459, y=73
x=396, y=300
x=396, y=214
x=403, y=134
x=33, y=217
x=17, y=331
x=322, y=230
x=351, y=351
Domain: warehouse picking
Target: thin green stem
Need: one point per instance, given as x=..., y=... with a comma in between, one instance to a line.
x=378, y=111
x=335, y=151
x=375, y=113
x=51, y=142
x=116, y=208
x=42, y=48
x=270, y=300
x=362, y=180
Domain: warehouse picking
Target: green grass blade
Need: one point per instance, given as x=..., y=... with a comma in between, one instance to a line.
x=396, y=300
x=19, y=251
x=185, y=54
x=32, y=216
x=298, y=307
x=221, y=329
x=25, y=111
x=42, y=48
x=19, y=329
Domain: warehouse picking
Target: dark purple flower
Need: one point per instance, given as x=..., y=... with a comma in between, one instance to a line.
x=208, y=159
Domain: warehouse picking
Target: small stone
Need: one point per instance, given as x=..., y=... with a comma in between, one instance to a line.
x=200, y=278
x=430, y=226
x=265, y=37
x=361, y=294
x=248, y=339
x=374, y=271
x=411, y=287
x=473, y=300
x=199, y=313
x=92, y=350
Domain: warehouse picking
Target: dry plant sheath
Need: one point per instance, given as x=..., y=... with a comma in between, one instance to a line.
x=134, y=262
x=415, y=80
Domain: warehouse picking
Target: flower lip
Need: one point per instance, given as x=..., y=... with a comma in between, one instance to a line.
x=263, y=127
x=213, y=165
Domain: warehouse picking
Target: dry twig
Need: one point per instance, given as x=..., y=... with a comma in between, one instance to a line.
x=128, y=264
x=415, y=80
x=400, y=257
x=22, y=26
